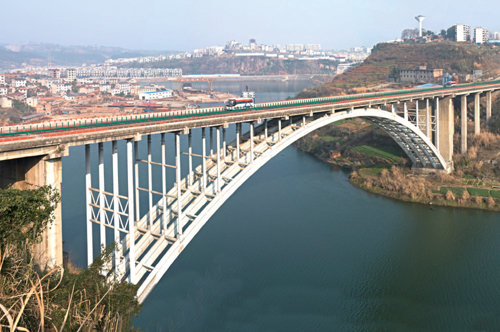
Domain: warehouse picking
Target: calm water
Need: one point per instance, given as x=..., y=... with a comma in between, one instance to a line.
x=297, y=248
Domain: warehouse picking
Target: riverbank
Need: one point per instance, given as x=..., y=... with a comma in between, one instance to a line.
x=379, y=166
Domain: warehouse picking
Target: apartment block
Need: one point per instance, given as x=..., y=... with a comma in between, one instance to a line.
x=462, y=32
x=481, y=35
x=419, y=75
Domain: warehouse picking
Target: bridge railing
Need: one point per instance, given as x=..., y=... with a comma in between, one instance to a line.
x=137, y=119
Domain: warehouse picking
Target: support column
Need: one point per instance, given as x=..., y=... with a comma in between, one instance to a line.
x=265, y=130
x=279, y=130
x=150, y=186
x=477, y=123
x=116, y=202
x=102, y=212
x=203, y=160
x=218, y=158
x=405, y=105
x=211, y=141
x=88, y=199
x=446, y=128
x=178, y=225
x=463, y=116
x=224, y=143
x=427, y=118
x=238, y=130
x=190, y=159
x=488, y=106
x=131, y=222
x=136, y=166
x=416, y=114
x=436, y=114
x=163, y=183
x=31, y=173
x=251, y=143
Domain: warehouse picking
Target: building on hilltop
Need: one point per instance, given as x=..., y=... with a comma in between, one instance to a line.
x=481, y=35
x=461, y=32
x=419, y=74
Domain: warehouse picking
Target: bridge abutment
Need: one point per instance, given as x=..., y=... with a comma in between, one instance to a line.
x=31, y=173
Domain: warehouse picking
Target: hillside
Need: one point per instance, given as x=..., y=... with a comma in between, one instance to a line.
x=449, y=56
x=243, y=65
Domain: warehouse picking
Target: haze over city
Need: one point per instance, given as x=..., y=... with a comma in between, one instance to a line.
x=186, y=25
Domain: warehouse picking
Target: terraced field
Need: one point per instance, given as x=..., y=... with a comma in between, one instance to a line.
x=376, y=152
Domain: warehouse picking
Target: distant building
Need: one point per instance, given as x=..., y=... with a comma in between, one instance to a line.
x=3, y=90
x=54, y=73
x=18, y=82
x=71, y=74
x=2, y=79
x=334, y=154
x=32, y=101
x=343, y=67
x=462, y=32
x=5, y=102
x=419, y=74
x=155, y=95
x=481, y=35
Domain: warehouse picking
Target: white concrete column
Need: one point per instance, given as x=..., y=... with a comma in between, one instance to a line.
x=463, y=136
x=427, y=129
x=164, y=183
x=203, y=160
x=88, y=185
x=416, y=114
x=405, y=105
x=436, y=114
x=190, y=159
x=218, y=158
x=150, y=185
x=265, y=129
x=477, y=123
x=488, y=106
x=224, y=143
x=279, y=130
x=131, y=222
x=102, y=212
x=251, y=143
x=178, y=225
x=136, y=166
x=116, y=202
x=238, y=130
x=211, y=141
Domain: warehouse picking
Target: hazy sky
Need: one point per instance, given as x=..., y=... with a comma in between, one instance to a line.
x=188, y=24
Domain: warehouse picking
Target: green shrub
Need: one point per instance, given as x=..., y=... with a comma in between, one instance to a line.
x=495, y=193
x=455, y=190
x=479, y=192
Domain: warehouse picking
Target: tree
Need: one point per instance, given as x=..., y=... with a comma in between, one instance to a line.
x=451, y=33
x=409, y=34
x=443, y=33
x=25, y=213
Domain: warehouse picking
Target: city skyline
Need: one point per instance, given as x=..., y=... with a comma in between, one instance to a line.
x=187, y=25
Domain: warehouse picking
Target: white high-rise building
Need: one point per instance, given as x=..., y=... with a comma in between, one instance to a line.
x=71, y=74
x=480, y=35
x=462, y=32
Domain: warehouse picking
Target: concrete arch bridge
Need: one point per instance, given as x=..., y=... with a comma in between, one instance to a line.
x=419, y=120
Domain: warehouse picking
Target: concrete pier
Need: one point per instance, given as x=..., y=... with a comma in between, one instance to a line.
x=463, y=121
x=477, y=105
x=488, y=106
x=31, y=173
x=446, y=128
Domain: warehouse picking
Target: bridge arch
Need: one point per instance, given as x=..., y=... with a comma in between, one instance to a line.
x=412, y=140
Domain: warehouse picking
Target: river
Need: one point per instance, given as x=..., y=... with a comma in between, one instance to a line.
x=298, y=248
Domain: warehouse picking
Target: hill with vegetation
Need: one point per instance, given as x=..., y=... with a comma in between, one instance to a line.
x=386, y=60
